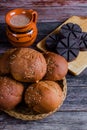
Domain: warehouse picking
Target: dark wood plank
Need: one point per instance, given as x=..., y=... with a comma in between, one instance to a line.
x=58, y=121
x=50, y=10
x=8, y=3
x=79, y=81
x=76, y=99
x=47, y=14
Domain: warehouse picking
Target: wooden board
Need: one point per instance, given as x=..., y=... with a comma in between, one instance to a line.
x=80, y=63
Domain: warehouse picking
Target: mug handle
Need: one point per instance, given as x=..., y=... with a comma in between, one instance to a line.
x=34, y=15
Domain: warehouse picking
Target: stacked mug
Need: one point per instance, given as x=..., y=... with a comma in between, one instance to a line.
x=21, y=27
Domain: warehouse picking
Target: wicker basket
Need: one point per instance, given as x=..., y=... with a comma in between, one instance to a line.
x=23, y=113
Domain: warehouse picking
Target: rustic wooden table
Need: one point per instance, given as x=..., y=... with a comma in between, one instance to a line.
x=73, y=113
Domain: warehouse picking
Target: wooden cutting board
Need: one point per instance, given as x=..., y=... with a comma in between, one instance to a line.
x=80, y=63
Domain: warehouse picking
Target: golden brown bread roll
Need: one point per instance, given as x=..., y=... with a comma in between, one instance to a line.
x=44, y=96
x=27, y=65
x=57, y=66
x=10, y=93
x=4, y=61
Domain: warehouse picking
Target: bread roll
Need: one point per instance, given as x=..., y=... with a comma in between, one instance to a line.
x=10, y=93
x=27, y=65
x=57, y=66
x=44, y=96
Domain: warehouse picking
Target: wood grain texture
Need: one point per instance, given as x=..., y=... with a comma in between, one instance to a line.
x=52, y=10
x=62, y=121
x=73, y=113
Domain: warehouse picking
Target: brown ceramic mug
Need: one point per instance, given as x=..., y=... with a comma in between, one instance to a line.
x=21, y=27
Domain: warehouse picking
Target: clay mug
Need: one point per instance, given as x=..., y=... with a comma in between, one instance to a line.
x=21, y=27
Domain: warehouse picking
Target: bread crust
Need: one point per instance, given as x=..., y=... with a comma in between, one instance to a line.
x=27, y=65
x=44, y=96
x=57, y=66
x=10, y=93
